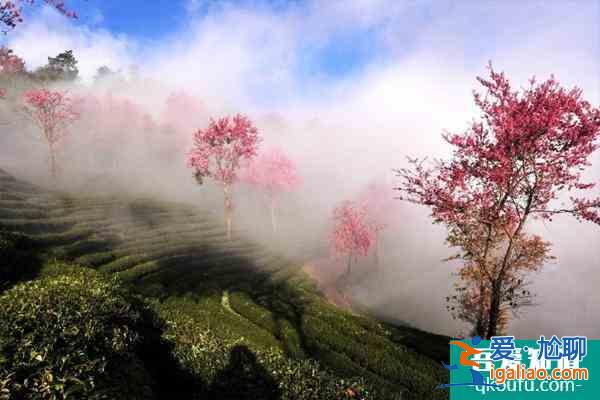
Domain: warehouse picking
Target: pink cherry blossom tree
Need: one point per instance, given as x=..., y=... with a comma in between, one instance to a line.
x=11, y=66
x=514, y=165
x=220, y=150
x=10, y=63
x=110, y=124
x=181, y=114
x=274, y=173
x=352, y=232
x=378, y=199
x=183, y=110
x=52, y=112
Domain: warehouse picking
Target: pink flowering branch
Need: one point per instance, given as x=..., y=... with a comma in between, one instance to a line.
x=11, y=12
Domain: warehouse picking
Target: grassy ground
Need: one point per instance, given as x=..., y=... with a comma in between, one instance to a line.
x=180, y=260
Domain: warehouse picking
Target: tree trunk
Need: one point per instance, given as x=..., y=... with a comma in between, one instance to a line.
x=273, y=219
x=349, y=270
x=480, y=327
x=496, y=294
x=53, y=168
x=376, y=251
x=494, y=311
x=227, y=207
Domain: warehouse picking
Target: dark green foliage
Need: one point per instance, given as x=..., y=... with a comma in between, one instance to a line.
x=279, y=326
x=72, y=334
x=18, y=258
x=428, y=344
x=104, y=73
x=235, y=368
x=61, y=67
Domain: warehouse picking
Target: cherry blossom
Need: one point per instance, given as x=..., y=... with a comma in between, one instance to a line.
x=274, y=173
x=352, y=232
x=515, y=164
x=52, y=112
x=219, y=151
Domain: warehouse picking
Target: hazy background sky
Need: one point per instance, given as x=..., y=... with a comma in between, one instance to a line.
x=358, y=84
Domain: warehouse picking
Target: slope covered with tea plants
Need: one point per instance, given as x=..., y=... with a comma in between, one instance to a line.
x=159, y=303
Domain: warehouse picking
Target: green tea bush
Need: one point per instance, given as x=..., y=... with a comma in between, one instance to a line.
x=96, y=259
x=279, y=326
x=72, y=335
x=69, y=236
x=34, y=226
x=18, y=258
x=233, y=368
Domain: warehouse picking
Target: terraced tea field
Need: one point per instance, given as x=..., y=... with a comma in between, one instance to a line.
x=180, y=259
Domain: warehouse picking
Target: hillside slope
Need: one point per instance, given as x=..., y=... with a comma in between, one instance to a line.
x=180, y=260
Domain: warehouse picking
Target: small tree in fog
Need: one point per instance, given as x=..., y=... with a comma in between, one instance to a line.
x=11, y=66
x=10, y=63
x=378, y=199
x=182, y=113
x=113, y=127
x=61, y=67
x=219, y=151
x=52, y=112
x=531, y=146
x=104, y=72
x=274, y=173
x=352, y=233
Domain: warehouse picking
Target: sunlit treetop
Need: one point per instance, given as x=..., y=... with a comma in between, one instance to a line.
x=61, y=67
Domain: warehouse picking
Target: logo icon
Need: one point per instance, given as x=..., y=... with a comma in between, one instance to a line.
x=467, y=351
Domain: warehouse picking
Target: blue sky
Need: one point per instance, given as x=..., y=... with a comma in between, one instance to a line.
x=345, y=52
x=276, y=51
x=137, y=18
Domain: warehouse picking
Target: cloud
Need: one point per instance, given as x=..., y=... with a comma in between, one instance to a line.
x=48, y=34
x=232, y=55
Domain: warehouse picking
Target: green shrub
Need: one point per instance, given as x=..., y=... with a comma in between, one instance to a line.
x=96, y=259
x=278, y=325
x=234, y=368
x=72, y=335
x=18, y=258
